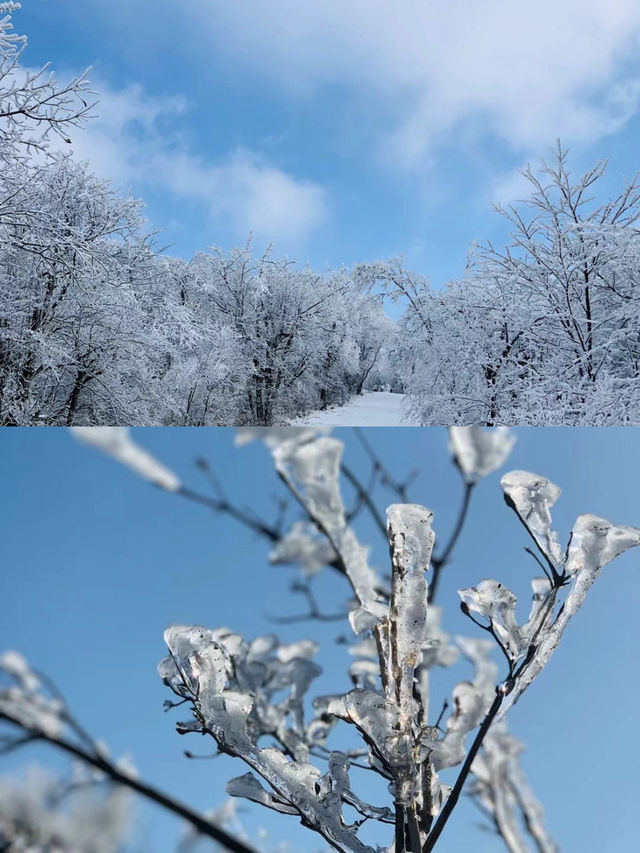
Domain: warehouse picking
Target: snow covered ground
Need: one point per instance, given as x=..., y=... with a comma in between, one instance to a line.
x=373, y=408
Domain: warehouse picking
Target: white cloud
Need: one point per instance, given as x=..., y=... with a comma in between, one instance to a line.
x=255, y=195
x=523, y=72
x=135, y=142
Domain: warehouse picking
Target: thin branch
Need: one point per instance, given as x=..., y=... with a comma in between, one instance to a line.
x=438, y=562
x=224, y=506
x=365, y=497
x=453, y=797
x=199, y=823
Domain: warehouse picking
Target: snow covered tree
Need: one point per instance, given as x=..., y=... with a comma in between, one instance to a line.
x=33, y=105
x=70, y=295
x=542, y=332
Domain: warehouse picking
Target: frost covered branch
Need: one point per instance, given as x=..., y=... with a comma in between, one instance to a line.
x=32, y=103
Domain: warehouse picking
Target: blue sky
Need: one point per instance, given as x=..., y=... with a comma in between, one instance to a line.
x=343, y=131
x=98, y=563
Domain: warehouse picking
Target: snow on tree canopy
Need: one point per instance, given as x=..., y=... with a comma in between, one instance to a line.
x=478, y=451
x=117, y=442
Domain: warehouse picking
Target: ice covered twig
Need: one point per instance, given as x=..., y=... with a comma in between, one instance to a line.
x=311, y=471
x=531, y=498
x=27, y=700
x=117, y=442
x=499, y=786
x=594, y=542
x=478, y=451
x=230, y=685
x=31, y=704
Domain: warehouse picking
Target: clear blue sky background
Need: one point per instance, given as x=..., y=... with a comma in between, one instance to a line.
x=343, y=131
x=96, y=563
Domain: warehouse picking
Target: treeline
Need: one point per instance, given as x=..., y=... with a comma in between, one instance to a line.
x=546, y=331
x=97, y=328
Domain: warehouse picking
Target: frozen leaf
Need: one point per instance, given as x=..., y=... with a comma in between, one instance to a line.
x=303, y=545
x=249, y=787
x=595, y=542
x=366, y=617
x=469, y=708
x=312, y=471
x=498, y=604
x=117, y=442
x=478, y=451
x=532, y=497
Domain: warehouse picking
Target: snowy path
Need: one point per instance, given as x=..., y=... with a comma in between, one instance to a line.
x=373, y=408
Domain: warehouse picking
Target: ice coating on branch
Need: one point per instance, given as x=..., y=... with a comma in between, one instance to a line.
x=303, y=545
x=375, y=719
x=479, y=651
x=469, y=709
x=411, y=542
x=231, y=686
x=497, y=604
x=273, y=436
x=117, y=442
x=501, y=789
x=491, y=789
x=498, y=785
x=479, y=451
x=26, y=700
x=532, y=497
x=311, y=470
x=248, y=787
x=594, y=543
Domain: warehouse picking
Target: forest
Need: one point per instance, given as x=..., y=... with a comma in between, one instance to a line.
x=100, y=326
